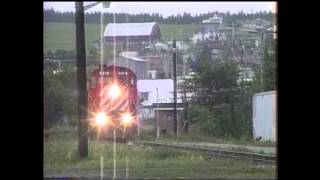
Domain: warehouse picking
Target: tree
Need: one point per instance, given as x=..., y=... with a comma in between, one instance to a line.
x=217, y=98
x=59, y=95
x=269, y=72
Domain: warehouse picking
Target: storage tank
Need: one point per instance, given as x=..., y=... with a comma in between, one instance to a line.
x=265, y=116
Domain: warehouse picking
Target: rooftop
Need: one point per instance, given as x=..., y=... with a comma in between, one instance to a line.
x=129, y=29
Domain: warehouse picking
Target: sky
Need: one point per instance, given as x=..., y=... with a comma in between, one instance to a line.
x=168, y=8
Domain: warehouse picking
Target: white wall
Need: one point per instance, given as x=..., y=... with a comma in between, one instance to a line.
x=264, y=115
x=165, y=90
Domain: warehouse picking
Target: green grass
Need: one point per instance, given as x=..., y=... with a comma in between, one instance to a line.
x=177, y=31
x=247, y=35
x=62, y=35
x=60, y=159
x=147, y=133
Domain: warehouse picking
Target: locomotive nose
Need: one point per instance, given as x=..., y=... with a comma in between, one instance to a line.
x=114, y=91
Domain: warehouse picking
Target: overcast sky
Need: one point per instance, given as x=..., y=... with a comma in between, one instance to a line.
x=169, y=8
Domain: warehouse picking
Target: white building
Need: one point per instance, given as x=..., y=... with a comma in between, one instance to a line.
x=198, y=37
x=214, y=19
x=265, y=116
x=148, y=90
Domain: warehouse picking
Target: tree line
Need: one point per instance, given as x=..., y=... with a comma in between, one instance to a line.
x=50, y=15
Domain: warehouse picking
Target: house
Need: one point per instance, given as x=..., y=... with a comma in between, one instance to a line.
x=213, y=20
x=256, y=25
x=209, y=35
x=165, y=113
x=246, y=74
x=155, y=91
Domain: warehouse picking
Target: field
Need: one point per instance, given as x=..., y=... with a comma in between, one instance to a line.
x=62, y=35
x=60, y=159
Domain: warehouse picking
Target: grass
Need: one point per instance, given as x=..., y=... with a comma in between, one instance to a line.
x=247, y=35
x=60, y=159
x=147, y=133
x=62, y=35
x=177, y=31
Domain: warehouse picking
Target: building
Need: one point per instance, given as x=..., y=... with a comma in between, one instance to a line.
x=246, y=74
x=208, y=35
x=153, y=55
x=148, y=90
x=131, y=35
x=256, y=25
x=213, y=20
x=130, y=59
x=165, y=116
x=265, y=116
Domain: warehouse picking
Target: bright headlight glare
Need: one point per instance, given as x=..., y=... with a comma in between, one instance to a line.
x=101, y=119
x=126, y=118
x=114, y=91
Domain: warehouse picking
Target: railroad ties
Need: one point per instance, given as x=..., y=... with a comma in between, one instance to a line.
x=216, y=152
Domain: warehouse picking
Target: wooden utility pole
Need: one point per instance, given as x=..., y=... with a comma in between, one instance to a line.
x=175, y=120
x=81, y=82
x=157, y=117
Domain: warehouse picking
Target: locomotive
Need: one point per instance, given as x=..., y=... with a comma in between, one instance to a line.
x=113, y=99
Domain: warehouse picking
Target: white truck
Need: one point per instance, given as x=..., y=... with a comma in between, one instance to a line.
x=265, y=116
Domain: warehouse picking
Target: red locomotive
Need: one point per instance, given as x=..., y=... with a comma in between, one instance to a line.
x=113, y=101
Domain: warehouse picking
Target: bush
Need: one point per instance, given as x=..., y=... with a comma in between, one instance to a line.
x=59, y=96
x=226, y=122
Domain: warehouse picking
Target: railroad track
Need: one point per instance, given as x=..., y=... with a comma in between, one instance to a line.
x=215, y=152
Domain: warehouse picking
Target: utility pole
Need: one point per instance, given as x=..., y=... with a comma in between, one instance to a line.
x=81, y=82
x=262, y=61
x=157, y=117
x=175, y=120
x=242, y=67
x=185, y=115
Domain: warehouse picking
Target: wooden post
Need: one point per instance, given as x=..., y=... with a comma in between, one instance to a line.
x=175, y=120
x=81, y=82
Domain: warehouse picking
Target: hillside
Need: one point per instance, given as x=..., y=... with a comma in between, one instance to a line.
x=62, y=35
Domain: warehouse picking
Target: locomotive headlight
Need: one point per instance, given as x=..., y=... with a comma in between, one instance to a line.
x=101, y=119
x=126, y=119
x=114, y=91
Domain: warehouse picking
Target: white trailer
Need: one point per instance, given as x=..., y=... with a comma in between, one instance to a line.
x=265, y=116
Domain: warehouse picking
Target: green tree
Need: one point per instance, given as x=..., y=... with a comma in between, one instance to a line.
x=269, y=68
x=59, y=95
x=219, y=107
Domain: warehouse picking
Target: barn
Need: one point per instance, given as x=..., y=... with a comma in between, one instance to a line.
x=131, y=35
